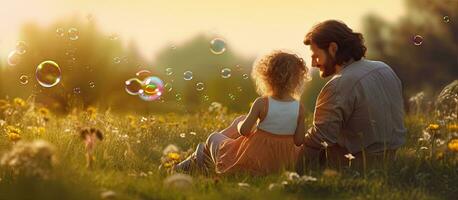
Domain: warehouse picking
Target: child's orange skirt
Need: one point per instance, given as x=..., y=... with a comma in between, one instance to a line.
x=259, y=153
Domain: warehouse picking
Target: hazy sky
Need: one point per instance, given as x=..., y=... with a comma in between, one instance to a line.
x=249, y=27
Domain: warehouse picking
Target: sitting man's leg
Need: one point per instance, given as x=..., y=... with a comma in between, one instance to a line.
x=309, y=159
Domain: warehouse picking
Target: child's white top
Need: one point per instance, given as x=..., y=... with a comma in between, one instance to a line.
x=281, y=118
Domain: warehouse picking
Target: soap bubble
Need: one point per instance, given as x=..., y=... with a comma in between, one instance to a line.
x=142, y=74
x=91, y=84
x=239, y=89
x=60, y=32
x=114, y=36
x=13, y=58
x=446, y=19
x=152, y=88
x=205, y=98
x=232, y=97
x=24, y=79
x=168, y=87
x=245, y=76
x=134, y=86
x=417, y=40
x=168, y=71
x=73, y=34
x=187, y=75
x=178, y=97
x=117, y=60
x=217, y=46
x=48, y=73
x=21, y=47
x=200, y=86
x=77, y=90
x=226, y=73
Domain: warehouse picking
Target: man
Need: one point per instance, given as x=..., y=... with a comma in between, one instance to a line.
x=359, y=113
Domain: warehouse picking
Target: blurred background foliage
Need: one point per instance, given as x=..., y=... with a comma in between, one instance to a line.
x=102, y=60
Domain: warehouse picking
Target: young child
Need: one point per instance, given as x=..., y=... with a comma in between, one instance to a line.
x=267, y=139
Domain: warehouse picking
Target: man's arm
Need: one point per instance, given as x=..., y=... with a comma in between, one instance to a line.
x=328, y=118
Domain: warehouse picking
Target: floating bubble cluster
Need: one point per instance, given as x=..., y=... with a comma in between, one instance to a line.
x=142, y=74
x=152, y=88
x=48, y=73
x=133, y=86
x=146, y=86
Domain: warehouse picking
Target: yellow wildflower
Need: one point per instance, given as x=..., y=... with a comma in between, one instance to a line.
x=173, y=156
x=14, y=137
x=43, y=111
x=4, y=104
x=453, y=127
x=453, y=145
x=92, y=112
x=39, y=130
x=433, y=127
x=19, y=102
x=12, y=129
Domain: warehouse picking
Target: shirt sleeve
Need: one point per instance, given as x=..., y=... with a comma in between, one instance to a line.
x=328, y=117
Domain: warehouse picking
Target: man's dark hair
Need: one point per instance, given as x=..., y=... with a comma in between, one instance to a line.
x=350, y=44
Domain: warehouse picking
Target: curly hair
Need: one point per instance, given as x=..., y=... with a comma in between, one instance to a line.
x=350, y=44
x=279, y=73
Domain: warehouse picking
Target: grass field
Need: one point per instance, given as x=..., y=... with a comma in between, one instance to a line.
x=130, y=162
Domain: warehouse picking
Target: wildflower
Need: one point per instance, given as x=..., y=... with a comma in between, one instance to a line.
x=108, y=195
x=12, y=129
x=19, y=102
x=92, y=112
x=453, y=127
x=35, y=159
x=39, y=130
x=350, y=157
x=453, y=145
x=243, y=185
x=182, y=135
x=13, y=137
x=178, y=181
x=169, y=149
x=173, y=156
x=43, y=111
x=4, y=104
x=274, y=186
x=433, y=127
x=306, y=178
x=324, y=144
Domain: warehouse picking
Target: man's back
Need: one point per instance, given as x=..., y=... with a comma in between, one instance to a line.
x=361, y=107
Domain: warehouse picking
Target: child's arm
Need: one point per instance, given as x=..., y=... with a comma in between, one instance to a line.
x=246, y=126
x=299, y=135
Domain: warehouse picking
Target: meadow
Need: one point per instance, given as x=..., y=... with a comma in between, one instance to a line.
x=44, y=156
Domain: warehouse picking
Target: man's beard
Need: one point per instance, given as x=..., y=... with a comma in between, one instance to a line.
x=329, y=66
